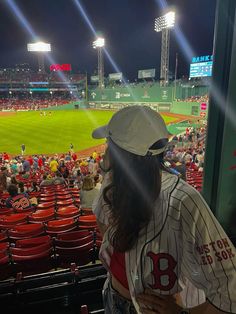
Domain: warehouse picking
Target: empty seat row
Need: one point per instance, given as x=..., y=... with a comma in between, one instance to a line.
x=43, y=253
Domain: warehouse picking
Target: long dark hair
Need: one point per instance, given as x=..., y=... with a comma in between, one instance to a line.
x=135, y=186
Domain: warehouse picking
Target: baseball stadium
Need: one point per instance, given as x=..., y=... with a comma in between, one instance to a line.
x=82, y=227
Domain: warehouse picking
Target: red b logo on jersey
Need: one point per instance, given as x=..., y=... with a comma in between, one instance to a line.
x=158, y=272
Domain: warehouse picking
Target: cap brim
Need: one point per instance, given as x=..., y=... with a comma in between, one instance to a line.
x=100, y=132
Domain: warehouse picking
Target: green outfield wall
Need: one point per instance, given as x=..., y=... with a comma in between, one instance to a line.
x=146, y=93
x=70, y=106
x=186, y=108
x=143, y=94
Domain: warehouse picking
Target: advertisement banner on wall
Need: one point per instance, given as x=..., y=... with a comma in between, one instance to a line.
x=148, y=73
x=115, y=76
x=94, y=78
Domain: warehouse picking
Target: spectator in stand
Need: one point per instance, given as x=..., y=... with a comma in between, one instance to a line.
x=13, y=166
x=78, y=180
x=157, y=230
x=19, y=166
x=17, y=201
x=3, y=181
x=22, y=188
x=22, y=149
x=75, y=169
x=94, y=155
x=180, y=167
x=26, y=165
x=58, y=179
x=35, y=163
x=46, y=181
x=13, y=180
x=74, y=156
x=6, y=156
x=63, y=169
x=53, y=165
x=34, y=187
x=68, y=157
x=40, y=162
x=30, y=160
x=97, y=181
x=92, y=167
x=88, y=193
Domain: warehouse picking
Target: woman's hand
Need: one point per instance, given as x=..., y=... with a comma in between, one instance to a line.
x=154, y=304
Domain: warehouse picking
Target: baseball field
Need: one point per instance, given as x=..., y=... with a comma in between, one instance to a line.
x=52, y=133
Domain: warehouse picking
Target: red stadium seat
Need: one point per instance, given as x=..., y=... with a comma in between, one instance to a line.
x=66, y=212
x=3, y=236
x=32, y=260
x=4, y=246
x=12, y=220
x=47, y=199
x=63, y=197
x=31, y=242
x=33, y=250
x=50, y=194
x=5, y=266
x=42, y=215
x=87, y=211
x=81, y=255
x=61, y=225
x=65, y=202
x=74, y=242
x=6, y=211
x=87, y=222
x=46, y=205
x=26, y=231
x=73, y=235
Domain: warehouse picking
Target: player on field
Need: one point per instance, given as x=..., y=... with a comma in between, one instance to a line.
x=164, y=250
x=22, y=149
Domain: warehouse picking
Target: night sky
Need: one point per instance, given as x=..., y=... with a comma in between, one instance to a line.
x=127, y=25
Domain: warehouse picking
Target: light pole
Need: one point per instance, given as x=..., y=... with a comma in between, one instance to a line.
x=40, y=48
x=98, y=44
x=164, y=24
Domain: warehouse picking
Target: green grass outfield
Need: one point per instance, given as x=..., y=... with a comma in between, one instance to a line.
x=52, y=134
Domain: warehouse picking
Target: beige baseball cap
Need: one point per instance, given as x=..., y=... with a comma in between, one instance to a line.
x=135, y=129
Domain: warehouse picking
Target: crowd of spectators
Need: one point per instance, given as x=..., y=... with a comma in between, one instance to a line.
x=30, y=76
x=184, y=157
x=202, y=99
x=22, y=175
x=31, y=103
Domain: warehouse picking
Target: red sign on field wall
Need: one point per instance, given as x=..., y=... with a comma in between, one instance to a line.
x=203, y=106
x=60, y=67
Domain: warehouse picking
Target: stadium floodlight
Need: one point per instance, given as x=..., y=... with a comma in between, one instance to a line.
x=166, y=21
x=164, y=24
x=40, y=48
x=99, y=44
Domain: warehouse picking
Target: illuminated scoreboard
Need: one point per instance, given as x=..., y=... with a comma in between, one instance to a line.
x=201, y=66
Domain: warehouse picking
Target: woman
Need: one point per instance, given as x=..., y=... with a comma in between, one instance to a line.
x=88, y=193
x=159, y=234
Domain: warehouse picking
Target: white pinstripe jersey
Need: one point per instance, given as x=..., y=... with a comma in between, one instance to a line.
x=183, y=248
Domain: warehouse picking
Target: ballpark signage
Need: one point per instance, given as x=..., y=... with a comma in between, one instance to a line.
x=149, y=73
x=60, y=67
x=115, y=76
x=201, y=66
x=94, y=78
x=203, y=106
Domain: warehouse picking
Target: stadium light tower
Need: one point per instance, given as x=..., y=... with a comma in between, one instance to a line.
x=40, y=48
x=98, y=44
x=164, y=24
